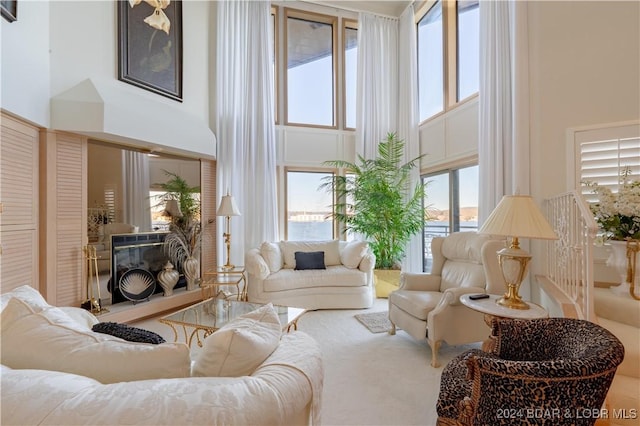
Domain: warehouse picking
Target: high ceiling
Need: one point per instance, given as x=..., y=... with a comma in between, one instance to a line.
x=383, y=7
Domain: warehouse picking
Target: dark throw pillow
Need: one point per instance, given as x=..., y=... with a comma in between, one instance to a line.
x=127, y=332
x=309, y=260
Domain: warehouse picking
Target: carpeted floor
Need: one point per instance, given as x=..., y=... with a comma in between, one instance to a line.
x=370, y=378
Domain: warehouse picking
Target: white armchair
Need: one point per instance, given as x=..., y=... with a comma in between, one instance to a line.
x=428, y=305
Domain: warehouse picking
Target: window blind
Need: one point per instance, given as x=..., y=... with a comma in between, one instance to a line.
x=604, y=153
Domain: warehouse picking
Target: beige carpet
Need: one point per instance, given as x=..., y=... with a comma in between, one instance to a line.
x=376, y=322
x=369, y=378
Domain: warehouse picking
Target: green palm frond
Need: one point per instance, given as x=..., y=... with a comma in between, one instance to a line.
x=374, y=199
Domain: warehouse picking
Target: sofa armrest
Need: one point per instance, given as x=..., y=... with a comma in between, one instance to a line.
x=255, y=264
x=451, y=296
x=419, y=281
x=368, y=262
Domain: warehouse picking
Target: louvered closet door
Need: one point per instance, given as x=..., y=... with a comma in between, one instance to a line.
x=64, y=163
x=19, y=204
x=208, y=214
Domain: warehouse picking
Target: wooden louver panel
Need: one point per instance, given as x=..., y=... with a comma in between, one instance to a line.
x=70, y=211
x=19, y=209
x=208, y=214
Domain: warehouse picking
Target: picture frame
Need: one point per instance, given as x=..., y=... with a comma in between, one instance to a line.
x=9, y=10
x=148, y=57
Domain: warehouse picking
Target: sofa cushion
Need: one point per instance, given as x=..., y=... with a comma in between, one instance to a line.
x=352, y=253
x=309, y=260
x=129, y=333
x=28, y=294
x=239, y=347
x=51, y=340
x=272, y=255
x=331, y=251
x=333, y=276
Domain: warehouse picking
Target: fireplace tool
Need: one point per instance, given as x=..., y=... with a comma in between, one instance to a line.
x=92, y=304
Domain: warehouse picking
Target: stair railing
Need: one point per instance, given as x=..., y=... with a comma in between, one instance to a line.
x=570, y=265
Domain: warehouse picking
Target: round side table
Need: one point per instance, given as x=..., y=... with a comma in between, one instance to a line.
x=491, y=309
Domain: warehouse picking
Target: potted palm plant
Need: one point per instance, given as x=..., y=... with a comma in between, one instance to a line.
x=182, y=244
x=374, y=199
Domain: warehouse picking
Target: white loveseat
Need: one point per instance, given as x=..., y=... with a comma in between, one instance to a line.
x=284, y=389
x=345, y=283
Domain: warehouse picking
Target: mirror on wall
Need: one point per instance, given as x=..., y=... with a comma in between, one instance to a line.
x=125, y=200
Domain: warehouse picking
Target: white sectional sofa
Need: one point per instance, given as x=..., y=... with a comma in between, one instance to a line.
x=346, y=282
x=82, y=382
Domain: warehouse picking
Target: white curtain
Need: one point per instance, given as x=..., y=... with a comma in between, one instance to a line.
x=377, y=90
x=408, y=116
x=135, y=175
x=246, y=160
x=503, y=106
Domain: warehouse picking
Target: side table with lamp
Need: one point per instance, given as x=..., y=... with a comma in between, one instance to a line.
x=516, y=216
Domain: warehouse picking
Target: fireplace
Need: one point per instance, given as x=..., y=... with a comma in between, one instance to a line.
x=139, y=256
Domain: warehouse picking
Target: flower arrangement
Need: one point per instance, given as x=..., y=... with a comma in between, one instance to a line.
x=618, y=214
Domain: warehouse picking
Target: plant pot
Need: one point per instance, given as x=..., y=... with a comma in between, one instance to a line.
x=191, y=269
x=618, y=260
x=168, y=278
x=386, y=281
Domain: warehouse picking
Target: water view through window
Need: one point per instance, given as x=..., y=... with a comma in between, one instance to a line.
x=308, y=208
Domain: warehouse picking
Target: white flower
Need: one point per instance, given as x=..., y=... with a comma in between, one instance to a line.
x=158, y=19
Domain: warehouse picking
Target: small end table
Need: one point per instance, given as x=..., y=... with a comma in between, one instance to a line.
x=491, y=309
x=212, y=280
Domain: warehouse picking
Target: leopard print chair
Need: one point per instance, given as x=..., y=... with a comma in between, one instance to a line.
x=552, y=371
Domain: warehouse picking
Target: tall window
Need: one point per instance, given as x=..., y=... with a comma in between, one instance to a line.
x=431, y=63
x=310, y=69
x=350, y=75
x=308, y=208
x=468, y=47
x=452, y=205
x=448, y=54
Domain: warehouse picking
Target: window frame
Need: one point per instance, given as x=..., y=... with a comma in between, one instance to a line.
x=450, y=55
x=453, y=174
x=286, y=170
x=353, y=25
x=323, y=19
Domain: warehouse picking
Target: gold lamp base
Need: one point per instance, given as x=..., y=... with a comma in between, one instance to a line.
x=512, y=299
x=514, y=263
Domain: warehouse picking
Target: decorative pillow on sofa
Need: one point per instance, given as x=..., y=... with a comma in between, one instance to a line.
x=309, y=260
x=129, y=333
x=331, y=251
x=272, y=255
x=239, y=347
x=51, y=340
x=352, y=253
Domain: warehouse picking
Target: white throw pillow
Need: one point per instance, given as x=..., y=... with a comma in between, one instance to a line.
x=239, y=347
x=331, y=251
x=272, y=255
x=51, y=340
x=29, y=295
x=352, y=253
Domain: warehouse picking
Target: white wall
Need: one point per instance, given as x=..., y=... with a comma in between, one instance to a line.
x=584, y=69
x=54, y=46
x=25, y=63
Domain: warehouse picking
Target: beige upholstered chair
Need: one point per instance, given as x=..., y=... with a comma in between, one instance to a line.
x=428, y=305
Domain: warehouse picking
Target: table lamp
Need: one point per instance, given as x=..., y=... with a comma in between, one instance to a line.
x=228, y=208
x=516, y=216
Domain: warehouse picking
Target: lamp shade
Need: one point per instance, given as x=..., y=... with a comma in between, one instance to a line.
x=518, y=216
x=172, y=208
x=228, y=206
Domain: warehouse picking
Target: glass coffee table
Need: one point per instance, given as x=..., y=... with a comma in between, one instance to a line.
x=211, y=314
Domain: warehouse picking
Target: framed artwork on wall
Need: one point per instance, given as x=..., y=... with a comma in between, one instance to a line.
x=150, y=45
x=9, y=9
